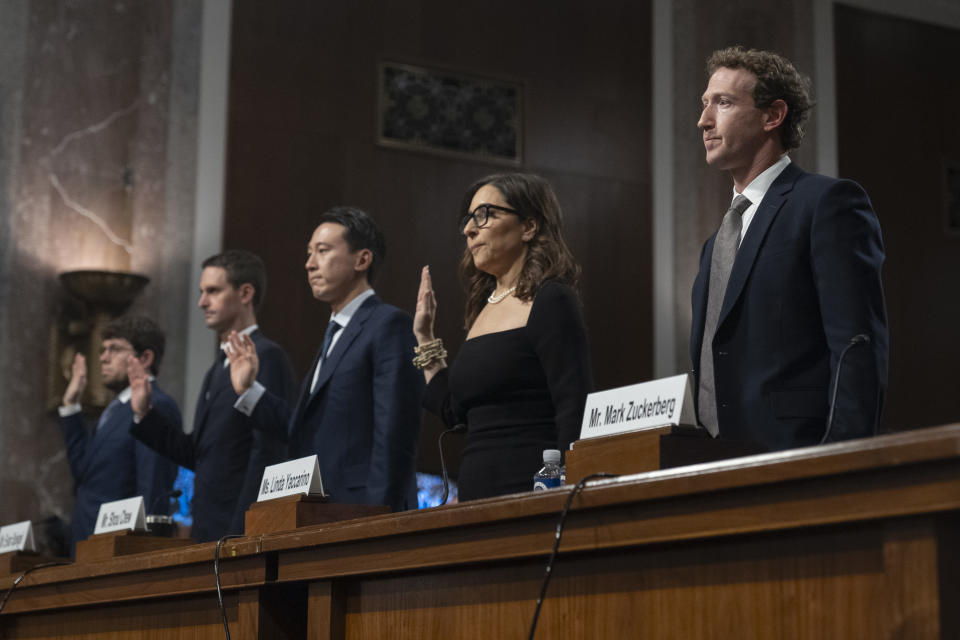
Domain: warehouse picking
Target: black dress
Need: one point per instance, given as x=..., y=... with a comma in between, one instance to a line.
x=519, y=391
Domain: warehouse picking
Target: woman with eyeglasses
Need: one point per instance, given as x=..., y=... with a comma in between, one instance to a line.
x=521, y=378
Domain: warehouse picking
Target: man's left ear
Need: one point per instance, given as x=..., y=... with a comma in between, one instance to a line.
x=529, y=229
x=246, y=291
x=146, y=359
x=775, y=114
x=364, y=260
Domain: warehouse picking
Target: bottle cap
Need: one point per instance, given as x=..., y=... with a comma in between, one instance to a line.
x=551, y=456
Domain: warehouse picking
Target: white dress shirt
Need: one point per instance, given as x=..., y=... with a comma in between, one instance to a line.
x=758, y=188
x=248, y=400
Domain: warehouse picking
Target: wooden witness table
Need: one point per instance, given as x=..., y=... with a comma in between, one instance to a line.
x=851, y=540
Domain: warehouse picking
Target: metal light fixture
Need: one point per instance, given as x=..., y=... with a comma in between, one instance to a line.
x=103, y=296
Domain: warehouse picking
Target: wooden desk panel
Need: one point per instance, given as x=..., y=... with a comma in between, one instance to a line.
x=851, y=540
x=169, y=619
x=866, y=582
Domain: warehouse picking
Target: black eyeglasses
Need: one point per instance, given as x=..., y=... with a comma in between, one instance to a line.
x=481, y=215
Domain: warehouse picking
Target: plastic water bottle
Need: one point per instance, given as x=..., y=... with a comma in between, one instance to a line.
x=549, y=476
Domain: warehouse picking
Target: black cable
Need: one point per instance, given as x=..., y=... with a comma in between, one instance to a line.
x=457, y=428
x=23, y=575
x=216, y=572
x=556, y=543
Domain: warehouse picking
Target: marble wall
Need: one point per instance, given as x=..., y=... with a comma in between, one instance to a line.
x=97, y=118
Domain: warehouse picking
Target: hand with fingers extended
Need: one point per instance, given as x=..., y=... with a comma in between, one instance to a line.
x=425, y=316
x=78, y=381
x=244, y=363
x=140, y=387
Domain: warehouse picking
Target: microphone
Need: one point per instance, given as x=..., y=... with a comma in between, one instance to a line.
x=457, y=428
x=860, y=338
x=176, y=493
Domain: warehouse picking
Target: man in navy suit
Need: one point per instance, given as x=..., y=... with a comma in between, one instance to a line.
x=224, y=450
x=791, y=280
x=109, y=464
x=359, y=407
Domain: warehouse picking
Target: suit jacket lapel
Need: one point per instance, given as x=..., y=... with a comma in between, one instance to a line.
x=101, y=432
x=305, y=396
x=747, y=254
x=698, y=301
x=350, y=333
x=203, y=403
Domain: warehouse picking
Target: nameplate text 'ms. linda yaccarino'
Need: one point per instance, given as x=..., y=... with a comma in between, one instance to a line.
x=121, y=515
x=291, y=478
x=658, y=403
x=17, y=537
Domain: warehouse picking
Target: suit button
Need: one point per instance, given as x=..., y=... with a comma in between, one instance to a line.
x=722, y=353
x=723, y=405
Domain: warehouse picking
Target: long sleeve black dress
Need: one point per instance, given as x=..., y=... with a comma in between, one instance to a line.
x=519, y=391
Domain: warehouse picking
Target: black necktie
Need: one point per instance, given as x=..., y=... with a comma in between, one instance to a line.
x=332, y=330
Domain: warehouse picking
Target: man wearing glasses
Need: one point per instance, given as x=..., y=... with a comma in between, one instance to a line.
x=359, y=407
x=108, y=463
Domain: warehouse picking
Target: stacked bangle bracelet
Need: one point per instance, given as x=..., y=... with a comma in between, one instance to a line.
x=428, y=353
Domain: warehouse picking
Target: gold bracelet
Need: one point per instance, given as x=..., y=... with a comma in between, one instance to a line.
x=429, y=353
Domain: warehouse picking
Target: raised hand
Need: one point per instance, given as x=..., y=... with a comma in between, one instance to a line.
x=78, y=381
x=244, y=363
x=139, y=381
x=426, y=314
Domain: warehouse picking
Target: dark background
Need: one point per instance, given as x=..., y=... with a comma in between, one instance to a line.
x=302, y=138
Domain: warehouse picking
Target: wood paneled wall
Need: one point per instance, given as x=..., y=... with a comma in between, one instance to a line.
x=897, y=97
x=302, y=138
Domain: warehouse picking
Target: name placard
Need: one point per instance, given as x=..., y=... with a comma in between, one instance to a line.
x=17, y=537
x=121, y=515
x=291, y=478
x=658, y=403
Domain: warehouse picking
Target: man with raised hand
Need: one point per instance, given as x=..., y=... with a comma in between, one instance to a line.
x=226, y=453
x=359, y=407
x=108, y=463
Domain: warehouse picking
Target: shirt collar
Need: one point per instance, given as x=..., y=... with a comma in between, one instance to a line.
x=124, y=396
x=343, y=316
x=244, y=332
x=758, y=186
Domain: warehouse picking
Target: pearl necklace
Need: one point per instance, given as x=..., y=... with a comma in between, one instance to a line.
x=495, y=299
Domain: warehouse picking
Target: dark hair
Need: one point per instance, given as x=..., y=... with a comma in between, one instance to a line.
x=777, y=79
x=361, y=232
x=242, y=267
x=547, y=253
x=142, y=333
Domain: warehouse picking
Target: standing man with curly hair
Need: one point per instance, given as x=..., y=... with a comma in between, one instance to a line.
x=791, y=280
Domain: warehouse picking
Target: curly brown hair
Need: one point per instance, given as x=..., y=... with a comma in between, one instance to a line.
x=548, y=256
x=777, y=79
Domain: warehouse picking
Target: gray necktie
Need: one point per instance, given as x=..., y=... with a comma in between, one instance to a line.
x=724, y=252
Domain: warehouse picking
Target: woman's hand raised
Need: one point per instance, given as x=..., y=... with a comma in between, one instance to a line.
x=426, y=313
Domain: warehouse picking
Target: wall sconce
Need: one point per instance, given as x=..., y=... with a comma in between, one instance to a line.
x=99, y=297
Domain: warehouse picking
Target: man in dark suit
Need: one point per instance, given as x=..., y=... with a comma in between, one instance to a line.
x=224, y=450
x=109, y=464
x=790, y=281
x=359, y=407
